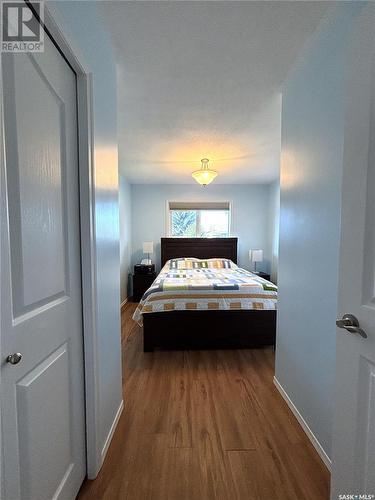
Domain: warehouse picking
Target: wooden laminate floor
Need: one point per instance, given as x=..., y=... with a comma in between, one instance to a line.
x=205, y=425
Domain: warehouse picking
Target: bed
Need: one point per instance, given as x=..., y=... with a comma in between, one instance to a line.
x=202, y=300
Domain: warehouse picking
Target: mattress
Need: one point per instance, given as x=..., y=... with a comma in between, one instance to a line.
x=212, y=284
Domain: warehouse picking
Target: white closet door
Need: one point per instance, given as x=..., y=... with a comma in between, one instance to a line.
x=41, y=317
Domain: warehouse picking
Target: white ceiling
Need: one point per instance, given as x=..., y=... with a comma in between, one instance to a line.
x=203, y=79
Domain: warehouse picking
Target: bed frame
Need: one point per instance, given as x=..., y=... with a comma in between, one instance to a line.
x=201, y=248
x=206, y=329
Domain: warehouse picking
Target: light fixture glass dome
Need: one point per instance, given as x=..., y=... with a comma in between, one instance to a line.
x=204, y=176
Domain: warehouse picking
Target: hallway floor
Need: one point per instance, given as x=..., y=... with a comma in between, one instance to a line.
x=204, y=425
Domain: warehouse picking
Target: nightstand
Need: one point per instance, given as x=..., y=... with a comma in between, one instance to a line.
x=263, y=275
x=141, y=282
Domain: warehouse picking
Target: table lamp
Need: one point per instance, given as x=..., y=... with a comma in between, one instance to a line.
x=148, y=247
x=256, y=255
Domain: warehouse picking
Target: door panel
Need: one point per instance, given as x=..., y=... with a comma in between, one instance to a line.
x=43, y=422
x=368, y=296
x=36, y=216
x=35, y=432
x=365, y=451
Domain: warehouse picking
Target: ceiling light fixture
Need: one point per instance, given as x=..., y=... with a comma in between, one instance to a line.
x=204, y=176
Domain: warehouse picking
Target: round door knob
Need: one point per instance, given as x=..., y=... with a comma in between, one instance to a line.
x=14, y=358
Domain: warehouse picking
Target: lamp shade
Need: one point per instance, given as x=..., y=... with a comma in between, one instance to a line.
x=205, y=175
x=148, y=247
x=256, y=255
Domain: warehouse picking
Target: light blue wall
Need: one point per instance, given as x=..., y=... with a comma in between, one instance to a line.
x=250, y=215
x=82, y=26
x=125, y=235
x=274, y=223
x=313, y=115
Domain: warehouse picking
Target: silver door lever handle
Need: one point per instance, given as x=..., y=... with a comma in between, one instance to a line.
x=351, y=324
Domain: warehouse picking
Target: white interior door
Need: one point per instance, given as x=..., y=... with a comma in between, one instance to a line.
x=43, y=421
x=353, y=467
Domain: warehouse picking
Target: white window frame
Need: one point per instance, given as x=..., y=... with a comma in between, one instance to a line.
x=168, y=204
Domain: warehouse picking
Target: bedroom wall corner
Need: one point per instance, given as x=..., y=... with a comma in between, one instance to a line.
x=125, y=207
x=274, y=224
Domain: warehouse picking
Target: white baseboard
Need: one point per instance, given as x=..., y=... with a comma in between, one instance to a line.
x=314, y=441
x=124, y=302
x=112, y=430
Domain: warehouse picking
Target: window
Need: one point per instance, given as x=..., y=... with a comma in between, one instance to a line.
x=199, y=220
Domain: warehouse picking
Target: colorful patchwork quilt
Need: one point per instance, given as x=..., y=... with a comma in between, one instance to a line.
x=195, y=284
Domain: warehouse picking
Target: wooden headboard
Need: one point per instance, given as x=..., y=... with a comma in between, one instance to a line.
x=201, y=248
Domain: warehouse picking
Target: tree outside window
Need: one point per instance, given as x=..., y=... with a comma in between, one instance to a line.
x=204, y=223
